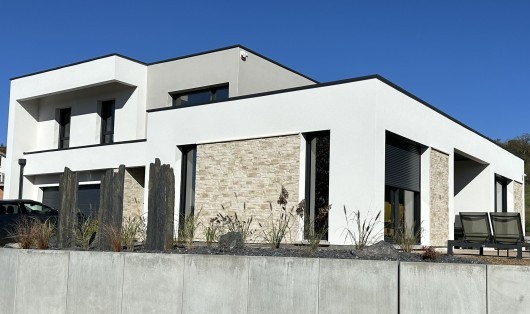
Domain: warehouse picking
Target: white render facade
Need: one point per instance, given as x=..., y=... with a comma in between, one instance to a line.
x=257, y=140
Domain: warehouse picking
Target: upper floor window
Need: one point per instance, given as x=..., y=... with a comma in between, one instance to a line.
x=107, y=122
x=200, y=96
x=64, y=127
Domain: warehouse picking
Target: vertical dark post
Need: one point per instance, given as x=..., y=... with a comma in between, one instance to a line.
x=110, y=213
x=68, y=211
x=22, y=164
x=161, y=206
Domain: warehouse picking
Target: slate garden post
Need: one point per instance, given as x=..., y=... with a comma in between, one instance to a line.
x=161, y=203
x=68, y=210
x=110, y=214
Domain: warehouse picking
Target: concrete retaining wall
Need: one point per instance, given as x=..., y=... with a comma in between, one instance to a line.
x=101, y=282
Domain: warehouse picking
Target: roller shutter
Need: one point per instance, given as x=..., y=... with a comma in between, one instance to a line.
x=402, y=165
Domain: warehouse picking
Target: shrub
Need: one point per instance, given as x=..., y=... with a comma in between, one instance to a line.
x=362, y=231
x=189, y=228
x=429, y=253
x=115, y=238
x=235, y=224
x=42, y=232
x=23, y=232
x=86, y=231
x=314, y=236
x=212, y=231
x=133, y=228
x=278, y=226
x=407, y=237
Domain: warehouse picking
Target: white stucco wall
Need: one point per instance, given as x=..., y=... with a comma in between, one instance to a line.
x=357, y=115
x=34, y=100
x=253, y=75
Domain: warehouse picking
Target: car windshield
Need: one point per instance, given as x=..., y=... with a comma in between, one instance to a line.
x=37, y=209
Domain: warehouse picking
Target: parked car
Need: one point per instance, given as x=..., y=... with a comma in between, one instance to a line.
x=13, y=211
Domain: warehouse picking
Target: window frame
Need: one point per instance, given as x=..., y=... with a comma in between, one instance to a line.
x=310, y=210
x=64, y=114
x=503, y=182
x=187, y=183
x=107, y=111
x=211, y=89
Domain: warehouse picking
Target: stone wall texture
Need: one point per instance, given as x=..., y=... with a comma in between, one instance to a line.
x=133, y=192
x=439, y=201
x=247, y=174
x=1, y=192
x=518, y=199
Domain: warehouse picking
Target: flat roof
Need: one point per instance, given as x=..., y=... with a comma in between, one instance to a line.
x=168, y=60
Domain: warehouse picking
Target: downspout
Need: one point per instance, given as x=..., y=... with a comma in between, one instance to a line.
x=22, y=164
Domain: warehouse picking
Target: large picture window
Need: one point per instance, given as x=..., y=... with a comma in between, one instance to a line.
x=317, y=183
x=402, y=188
x=200, y=96
x=187, y=183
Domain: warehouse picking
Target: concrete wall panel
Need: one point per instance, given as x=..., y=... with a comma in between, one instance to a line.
x=442, y=288
x=508, y=289
x=215, y=284
x=42, y=278
x=153, y=283
x=348, y=286
x=283, y=285
x=8, y=275
x=95, y=282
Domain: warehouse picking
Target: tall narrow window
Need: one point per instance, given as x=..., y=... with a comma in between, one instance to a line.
x=187, y=183
x=200, y=96
x=501, y=202
x=317, y=183
x=64, y=127
x=402, y=188
x=107, y=122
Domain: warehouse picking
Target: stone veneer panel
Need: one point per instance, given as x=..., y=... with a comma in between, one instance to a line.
x=518, y=199
x=254, y=170
x=133, y=192
x=439, y=202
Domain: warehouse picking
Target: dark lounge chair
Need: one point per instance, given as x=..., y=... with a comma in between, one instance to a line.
x=477, y=234
x=507, y=229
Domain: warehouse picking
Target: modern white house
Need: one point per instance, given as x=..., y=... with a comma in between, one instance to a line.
x=237, y=126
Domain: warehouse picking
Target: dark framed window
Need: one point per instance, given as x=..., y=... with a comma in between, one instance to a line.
x=402, y=188
x=317, y=183
x=501, y=192
x=187, y=183
x=200, y=96
x=64, y=127
x=107, y=122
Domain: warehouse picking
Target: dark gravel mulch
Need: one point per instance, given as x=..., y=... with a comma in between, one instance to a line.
x=379, y=251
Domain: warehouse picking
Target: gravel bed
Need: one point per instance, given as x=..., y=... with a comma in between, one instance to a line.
x=380, y=251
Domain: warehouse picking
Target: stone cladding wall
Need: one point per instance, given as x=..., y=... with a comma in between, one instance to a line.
x=439, y=200
x=133, y=192
x=250, y=174
x=518, y=200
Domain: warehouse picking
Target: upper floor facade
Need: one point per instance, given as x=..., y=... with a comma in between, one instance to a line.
x=105, y=100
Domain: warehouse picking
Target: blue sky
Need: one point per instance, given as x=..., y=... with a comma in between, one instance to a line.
x=470, y=59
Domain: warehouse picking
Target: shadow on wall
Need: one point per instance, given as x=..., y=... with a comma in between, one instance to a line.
x=466, y=170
